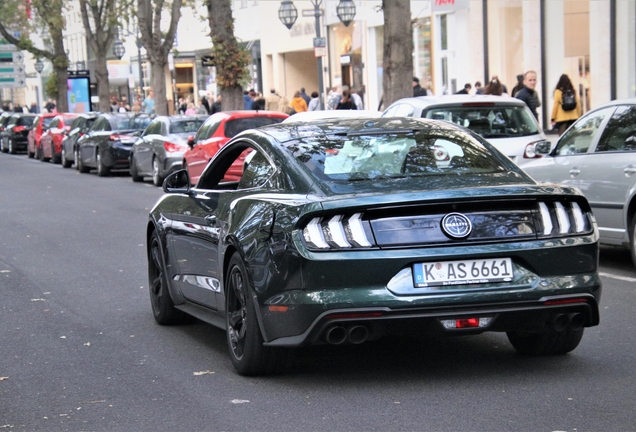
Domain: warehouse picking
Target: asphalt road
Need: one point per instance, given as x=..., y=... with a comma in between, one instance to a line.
x=79, y=349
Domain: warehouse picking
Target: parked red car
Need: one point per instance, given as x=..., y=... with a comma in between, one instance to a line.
x=217, y=131
x=51, y=140
x=40, y=125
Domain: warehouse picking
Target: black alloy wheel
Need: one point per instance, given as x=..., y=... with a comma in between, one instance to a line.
x=162, y=305
x=134, y=173
x=551, y=342
x=55, y=158
x=30, y=154
x=244, y=338
x=80, y=165
x=102, y=169
x=157, y=180
x=65, y=162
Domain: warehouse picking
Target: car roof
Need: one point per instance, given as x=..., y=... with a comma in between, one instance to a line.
x=283, y=132
x=326, y=114
x=427, y=101
x=249, y=113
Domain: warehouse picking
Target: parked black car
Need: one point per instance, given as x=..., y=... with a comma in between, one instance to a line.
x=14, y=135
x=107, y=144
x=159, y=150
x=79, y=128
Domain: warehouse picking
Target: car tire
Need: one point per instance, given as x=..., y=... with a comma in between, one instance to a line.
x=31, y=155
x=76, y=159
x=157, y=179
x=134, y=173
x=245, y=341
x=632, y=239
x=65, y=162
x=102, y=170
x=55, y=158
x=80, y=165
x=3, y=147
x=162, y=305
x=546, y=343
x=12, y=149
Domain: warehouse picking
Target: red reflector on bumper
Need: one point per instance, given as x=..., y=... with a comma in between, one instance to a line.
x=278, y=308
x=467, y=323
x=564, y=301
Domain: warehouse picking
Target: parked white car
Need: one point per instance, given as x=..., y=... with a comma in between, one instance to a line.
x=505, y=122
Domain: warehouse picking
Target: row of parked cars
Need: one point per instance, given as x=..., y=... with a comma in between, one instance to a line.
x=146, y=146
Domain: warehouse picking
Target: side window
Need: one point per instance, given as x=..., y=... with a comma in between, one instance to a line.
x=581, y=135
x=152, y=128
x=620, y=132
x=256, y=171
x=54, y=123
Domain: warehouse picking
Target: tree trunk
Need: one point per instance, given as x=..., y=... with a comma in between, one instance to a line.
x=101, y=76
x=62, y=85
x=398, y=51
x=60, y=64
x=159, y=87
x=231, y=61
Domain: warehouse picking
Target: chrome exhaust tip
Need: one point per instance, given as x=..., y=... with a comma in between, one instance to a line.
x=336, y=335
x=358, y=334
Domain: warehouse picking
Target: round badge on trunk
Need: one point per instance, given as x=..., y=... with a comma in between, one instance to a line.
x=456, y=226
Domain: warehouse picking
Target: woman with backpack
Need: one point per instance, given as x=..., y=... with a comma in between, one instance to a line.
x=566, y=108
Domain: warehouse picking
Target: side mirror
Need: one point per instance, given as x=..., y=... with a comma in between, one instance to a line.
x=190, y=141
x=543, y=148
x=177, y=182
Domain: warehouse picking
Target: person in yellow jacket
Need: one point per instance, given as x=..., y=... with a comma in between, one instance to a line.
x=567, y=107
x=298, y=103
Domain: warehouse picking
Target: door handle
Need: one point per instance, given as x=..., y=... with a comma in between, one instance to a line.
x=211, y=219
x=630, y=170
x=574, y=172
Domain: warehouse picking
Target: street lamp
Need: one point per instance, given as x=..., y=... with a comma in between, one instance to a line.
x=39, y=66
x=118, y=47
x=287, y=13
x=346, y=11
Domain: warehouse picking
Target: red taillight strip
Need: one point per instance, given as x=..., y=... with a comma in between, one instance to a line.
x=564, y=301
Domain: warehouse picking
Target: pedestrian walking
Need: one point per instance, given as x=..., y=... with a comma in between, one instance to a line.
x=346, y=103
x=298, y=103
x=304, y=95
x=271, y=101
x=466, y=89
x=566, y=107
x=216, y=105
x=418, y=90
x=517, y=87
x=149, y=102
x=333, y=99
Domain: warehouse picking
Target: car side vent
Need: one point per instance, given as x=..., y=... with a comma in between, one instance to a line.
x=337, y=232
x=563, y=218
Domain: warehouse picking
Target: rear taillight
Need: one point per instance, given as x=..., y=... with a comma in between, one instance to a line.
x=172, y=147
x=116, y=137
x=563, y=218
x=466, y=323
x=337, y=232
x=18, y=128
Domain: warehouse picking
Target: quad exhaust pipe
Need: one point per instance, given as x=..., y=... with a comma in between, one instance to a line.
x=574, y=321
x=337, y=335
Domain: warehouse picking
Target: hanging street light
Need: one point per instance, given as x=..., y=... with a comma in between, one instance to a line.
x=287, y=13
x=346, y=11
x=118, y=48
x=39, y=66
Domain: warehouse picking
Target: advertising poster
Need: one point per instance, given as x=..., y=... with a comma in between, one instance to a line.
x=79, y=95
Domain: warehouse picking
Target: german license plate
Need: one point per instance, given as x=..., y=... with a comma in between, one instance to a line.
x=447, y=273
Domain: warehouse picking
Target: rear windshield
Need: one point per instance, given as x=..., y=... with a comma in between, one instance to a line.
x=236, y=126
x=488, y=121
x=46, y=121
x=137, y=123
x=421, y=153
x=185, y=126
x=25, y=121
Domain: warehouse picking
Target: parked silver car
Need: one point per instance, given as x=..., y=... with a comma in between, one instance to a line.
x=159, y=150
x=505, y=122
x=597, y=154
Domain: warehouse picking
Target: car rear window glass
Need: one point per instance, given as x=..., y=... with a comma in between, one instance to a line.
x=46, y=121
x=236, y=126
x=620, y=132
x=395, y=155
x=185, y=126
x=25, y=121
x=489, y=121
x=122, y=123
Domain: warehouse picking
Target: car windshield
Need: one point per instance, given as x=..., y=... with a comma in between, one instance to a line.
x=185, y=126
x=489, y=121
x=236, y=126
x=394, y=155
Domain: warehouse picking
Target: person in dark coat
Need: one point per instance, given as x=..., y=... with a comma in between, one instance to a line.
x=466, y=89
x=417, y=88
x=346, y=103
x=528, y=93
x=305, y=96
x=216, y=106
x=206, y=104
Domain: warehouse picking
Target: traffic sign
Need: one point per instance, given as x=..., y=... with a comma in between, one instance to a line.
x=12, y=68
x=8, y=81
x=11, y=57
x=311, y=12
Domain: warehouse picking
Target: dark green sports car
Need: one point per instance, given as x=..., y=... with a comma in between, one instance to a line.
x=343, y=231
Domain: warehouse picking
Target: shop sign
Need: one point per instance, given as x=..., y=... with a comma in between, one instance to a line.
x=450, y=5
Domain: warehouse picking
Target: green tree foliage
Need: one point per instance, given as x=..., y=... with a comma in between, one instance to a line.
x=46, y=16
